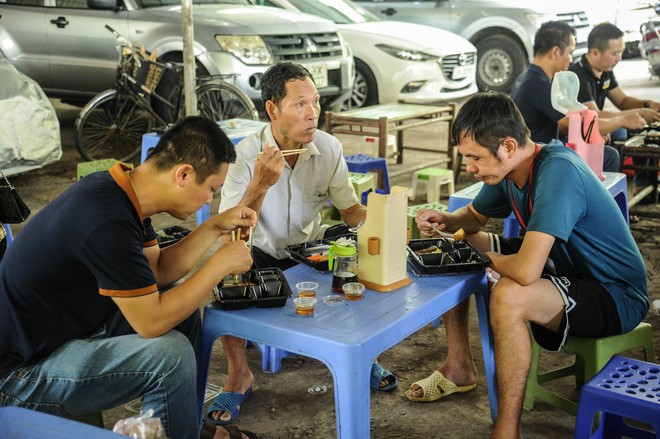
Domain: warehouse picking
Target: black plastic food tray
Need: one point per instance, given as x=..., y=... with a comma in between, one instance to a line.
x=170, y=235
x=456, y=256
x=300, y=252
x=267, y=288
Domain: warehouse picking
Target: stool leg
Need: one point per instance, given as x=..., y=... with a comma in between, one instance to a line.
x=532, y=383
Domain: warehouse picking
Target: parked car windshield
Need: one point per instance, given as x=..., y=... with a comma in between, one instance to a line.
x=158, y=3
x=339, y=11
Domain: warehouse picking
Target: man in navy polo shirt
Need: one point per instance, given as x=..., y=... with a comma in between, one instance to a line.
x=597, y=82
x=554, y=43
x=84, y=324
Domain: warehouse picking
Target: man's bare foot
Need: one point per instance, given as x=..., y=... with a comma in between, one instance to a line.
x=233, y=386
x=460, y=379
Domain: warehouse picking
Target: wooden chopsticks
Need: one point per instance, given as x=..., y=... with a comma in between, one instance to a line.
x=291, y=151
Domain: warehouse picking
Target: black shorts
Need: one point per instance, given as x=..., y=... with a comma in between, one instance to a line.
x=590, y=311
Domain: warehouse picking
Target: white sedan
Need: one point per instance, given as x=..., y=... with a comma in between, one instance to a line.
x=396, y=61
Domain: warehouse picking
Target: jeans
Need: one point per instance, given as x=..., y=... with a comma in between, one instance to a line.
x=114, y=367
x=611, y=160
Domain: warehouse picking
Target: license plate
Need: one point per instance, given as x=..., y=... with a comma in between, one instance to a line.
x=461, y=72
x=654, y=58
x=320, y=74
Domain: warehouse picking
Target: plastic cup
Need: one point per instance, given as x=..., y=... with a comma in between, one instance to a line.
x=304, y=305
x=353, y=290
x=307, y=289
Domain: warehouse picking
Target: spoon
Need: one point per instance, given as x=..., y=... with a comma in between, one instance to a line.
x=457, y=236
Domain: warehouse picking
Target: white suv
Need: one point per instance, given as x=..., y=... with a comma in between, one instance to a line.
x=502, y=30
x=64, y=46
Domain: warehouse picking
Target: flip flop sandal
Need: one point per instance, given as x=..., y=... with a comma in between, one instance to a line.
x=379, y=374
x=435, y=387
x=227, y=402
x=208, y=432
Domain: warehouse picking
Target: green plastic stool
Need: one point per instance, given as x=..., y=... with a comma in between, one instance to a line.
x=433, y=179
x=363, y=184
x=412, y=212
x=86, y=168
x=591, y=355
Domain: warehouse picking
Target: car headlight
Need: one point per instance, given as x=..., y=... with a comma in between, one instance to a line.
x=406, y=54
x=249, y=49
x=346, y=51
x=537, y=19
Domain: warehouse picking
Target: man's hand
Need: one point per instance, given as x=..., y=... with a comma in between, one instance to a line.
x=427, y=219
x=233, y=257
x=238, y=216
x=268, y=166
x=634, y=121
x=649, y=115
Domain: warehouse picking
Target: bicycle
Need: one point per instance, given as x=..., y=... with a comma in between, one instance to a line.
x=149, y=93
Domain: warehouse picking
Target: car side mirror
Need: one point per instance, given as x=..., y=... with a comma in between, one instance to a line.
x=102, y=4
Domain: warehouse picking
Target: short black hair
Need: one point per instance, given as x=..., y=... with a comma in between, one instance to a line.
x=551, y=34
x=601, y=34
x=489, y=117
x=197, y=141
x=273, y=83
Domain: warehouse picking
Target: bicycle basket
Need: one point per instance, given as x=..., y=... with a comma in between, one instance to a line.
x=143, y=74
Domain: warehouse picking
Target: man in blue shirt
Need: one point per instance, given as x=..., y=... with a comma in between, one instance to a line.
x=554, y=43
x=572, y=272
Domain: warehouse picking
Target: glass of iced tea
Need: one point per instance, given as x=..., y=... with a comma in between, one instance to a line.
x=307, y=289
x=353, y=290
x=304, y=305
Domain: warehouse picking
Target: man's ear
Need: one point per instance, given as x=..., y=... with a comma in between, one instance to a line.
x=270, y=109
x=510, y=146
x=183, y=174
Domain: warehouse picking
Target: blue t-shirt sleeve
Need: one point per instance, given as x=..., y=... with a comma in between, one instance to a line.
x=559, y=199
x=492, y=201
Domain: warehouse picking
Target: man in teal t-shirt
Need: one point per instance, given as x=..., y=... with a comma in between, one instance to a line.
x=576, y=271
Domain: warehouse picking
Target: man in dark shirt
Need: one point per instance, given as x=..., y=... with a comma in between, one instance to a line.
x=553, y=47
x=598, y=82
x=83, y=324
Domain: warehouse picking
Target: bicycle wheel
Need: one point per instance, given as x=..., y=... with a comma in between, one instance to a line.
x=111, y=127
x=219, y=100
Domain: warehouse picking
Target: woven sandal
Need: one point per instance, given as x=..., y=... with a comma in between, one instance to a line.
x=436, y=386
x=229, y=402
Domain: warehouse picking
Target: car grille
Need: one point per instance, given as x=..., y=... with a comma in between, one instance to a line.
x=574, y=19
x=579, y=21
x=449, y=62
x=304, y=47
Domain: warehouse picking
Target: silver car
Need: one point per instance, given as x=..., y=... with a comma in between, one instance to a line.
x=64, y=46
x=502, y=30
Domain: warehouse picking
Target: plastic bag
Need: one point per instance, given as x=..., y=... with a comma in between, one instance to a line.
x=144, y=426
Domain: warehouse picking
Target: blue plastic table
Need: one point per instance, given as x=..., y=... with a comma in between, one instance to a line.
x=615, y=182
x=348, y=338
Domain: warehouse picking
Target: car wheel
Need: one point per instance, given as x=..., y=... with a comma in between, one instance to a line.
x=365, y=89
x=500, y=61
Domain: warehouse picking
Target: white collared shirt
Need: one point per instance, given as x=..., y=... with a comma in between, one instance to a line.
x=291, y=211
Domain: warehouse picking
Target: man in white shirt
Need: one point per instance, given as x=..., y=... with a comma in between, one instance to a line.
x=288, y=192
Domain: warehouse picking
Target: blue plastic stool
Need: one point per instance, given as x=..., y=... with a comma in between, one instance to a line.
x=18, y=422
x=623, y=389
x=9, y=237
x=364, y=163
